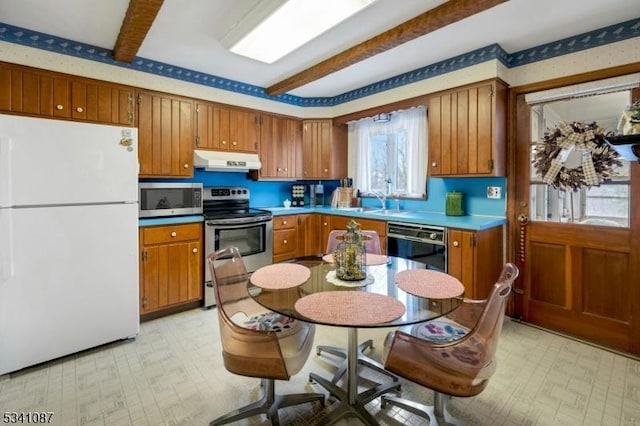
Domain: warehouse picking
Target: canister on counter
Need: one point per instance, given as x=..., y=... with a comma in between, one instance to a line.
x=454, y=204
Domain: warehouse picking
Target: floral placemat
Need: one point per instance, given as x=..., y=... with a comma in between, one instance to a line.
x=280, y=276
x=429, y=284
x=371, y=259
x=351, y=308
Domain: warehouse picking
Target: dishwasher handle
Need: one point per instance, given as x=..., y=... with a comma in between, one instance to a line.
x=429, y=240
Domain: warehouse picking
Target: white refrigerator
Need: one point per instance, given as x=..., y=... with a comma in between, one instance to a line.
x=68, y=238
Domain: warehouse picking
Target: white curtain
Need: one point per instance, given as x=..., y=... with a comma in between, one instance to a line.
x=412, y=121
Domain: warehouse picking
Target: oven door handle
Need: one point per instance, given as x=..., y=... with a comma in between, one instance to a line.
x=240, y=221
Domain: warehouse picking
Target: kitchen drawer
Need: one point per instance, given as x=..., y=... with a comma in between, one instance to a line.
x=171, y=233
x=284, y=241
x=285, y=222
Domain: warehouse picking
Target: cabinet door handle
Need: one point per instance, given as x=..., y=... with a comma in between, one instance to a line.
x=326, y=170
x=234, y=143
x=195, y=250
x=224, y=142
x=456, y=244
x=284, y=242
x=79, y=109
x=186, y=165
x=434, y=164
x=59, y=107
x=284, y=222
x=325, y=224
x=174, y=234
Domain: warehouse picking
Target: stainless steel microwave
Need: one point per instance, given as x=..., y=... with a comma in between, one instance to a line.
x=157, y=199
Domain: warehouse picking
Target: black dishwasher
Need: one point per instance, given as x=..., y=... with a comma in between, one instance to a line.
x=422, y=243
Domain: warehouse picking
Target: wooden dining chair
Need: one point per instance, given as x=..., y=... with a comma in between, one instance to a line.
x=458, y=365
x=372, y=245
x=257, y=342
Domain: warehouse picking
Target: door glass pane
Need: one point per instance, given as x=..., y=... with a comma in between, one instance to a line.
x=606, y=205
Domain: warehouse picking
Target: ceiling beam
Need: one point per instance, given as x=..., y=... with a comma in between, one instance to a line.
x=135, y=26
x=431, y=20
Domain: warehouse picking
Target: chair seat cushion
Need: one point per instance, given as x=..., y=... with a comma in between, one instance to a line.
x=439, y=331
x=270, y=321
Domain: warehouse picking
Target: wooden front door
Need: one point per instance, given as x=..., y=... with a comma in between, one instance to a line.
x=578, y=251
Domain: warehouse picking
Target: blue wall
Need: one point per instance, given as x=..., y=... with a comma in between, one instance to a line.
x=475, y=196
x=270, y=194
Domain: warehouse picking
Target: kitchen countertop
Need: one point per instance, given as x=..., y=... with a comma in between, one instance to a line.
x=154, y=221
x=470, y=222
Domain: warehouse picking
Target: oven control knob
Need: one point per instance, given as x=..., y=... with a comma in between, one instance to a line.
x=433, y=236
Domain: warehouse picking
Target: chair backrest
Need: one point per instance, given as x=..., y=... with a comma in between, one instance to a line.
x=462, y=367
x=489, y=325
x=371, y=245
x=247, y=352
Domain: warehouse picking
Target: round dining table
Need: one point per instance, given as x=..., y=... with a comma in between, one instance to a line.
x=308, y=290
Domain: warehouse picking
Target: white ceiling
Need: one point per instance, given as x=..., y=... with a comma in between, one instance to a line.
x=186, y=33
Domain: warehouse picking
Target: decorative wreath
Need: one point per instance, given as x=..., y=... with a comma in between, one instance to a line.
x=574, y=155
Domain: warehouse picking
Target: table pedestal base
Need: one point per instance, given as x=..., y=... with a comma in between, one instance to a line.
x=362, y=360
x=352, y=403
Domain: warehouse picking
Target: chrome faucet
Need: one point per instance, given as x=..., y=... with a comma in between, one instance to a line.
x=382, y=198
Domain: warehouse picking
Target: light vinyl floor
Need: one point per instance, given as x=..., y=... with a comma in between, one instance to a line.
x=172, y=374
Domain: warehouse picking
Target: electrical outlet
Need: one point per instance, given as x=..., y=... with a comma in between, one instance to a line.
x=494, y=192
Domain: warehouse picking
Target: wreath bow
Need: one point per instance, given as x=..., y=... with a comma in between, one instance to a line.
x=569, y=141
x=596, y=160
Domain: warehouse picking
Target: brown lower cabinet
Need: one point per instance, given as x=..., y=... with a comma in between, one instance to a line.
x=307, y=234
x=475, y=258
x=285, y=237
x=170, y=267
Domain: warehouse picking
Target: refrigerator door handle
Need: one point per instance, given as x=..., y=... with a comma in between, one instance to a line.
x=6, y=246
x=5, y=171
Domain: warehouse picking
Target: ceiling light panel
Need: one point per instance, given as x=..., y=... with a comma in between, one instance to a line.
x=292, y=25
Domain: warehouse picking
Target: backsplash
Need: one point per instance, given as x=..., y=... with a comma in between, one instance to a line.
x=270, y=194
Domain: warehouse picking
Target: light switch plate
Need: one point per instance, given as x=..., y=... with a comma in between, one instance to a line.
x=494, y=192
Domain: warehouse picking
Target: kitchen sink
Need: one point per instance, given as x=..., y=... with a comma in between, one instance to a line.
x=373, y=210
x=358, y=209
x=389, y=212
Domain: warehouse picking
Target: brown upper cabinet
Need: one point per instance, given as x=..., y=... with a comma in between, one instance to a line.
x=467, y=130
x=226, y=129
x=280, y=147
x=165, y=135
x=324, y=150
x=31, y=91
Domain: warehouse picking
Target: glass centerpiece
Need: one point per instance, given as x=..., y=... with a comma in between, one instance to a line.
x=350, y=254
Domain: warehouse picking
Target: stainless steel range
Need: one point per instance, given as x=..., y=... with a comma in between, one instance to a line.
x=229, y=221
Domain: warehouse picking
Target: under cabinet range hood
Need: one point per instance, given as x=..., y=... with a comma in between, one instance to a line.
x=220, y=161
